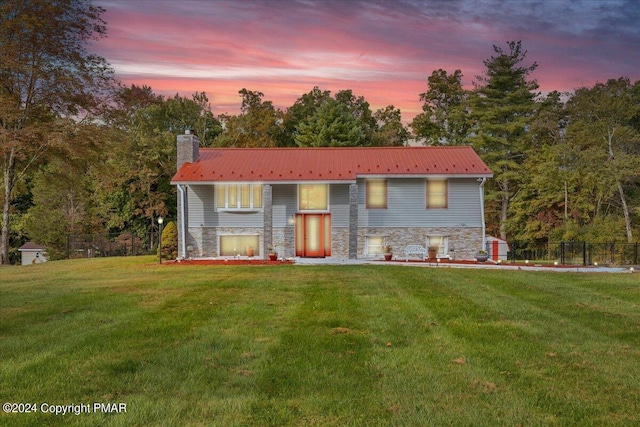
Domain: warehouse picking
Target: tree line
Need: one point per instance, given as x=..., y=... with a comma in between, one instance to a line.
x=82, y=153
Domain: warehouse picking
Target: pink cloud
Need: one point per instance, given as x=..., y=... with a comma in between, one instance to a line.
x=382, y=50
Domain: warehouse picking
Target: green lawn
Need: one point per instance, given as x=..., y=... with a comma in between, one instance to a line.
x=318, y=345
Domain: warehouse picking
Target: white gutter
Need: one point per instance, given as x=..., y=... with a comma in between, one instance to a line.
x=183, y=229
x=481, y=189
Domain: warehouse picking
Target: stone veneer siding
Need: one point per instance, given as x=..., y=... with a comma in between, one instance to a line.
x=205, y=239
x=284, y=241
x=353, y=221
x=342, y=243
x=267, y=203
x=465, y=240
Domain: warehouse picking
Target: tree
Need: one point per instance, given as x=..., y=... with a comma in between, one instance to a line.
x=45, y=73
x=332, y=125
x=359, y=109
x=602, y=122
x=257, y=125
x=132, y=184
x=127, y=102
x=182, y=113
x=541, y=206
x=305, y=107
x=389, y=130
x=445, y=112
x=62, y=206
x=502, y=106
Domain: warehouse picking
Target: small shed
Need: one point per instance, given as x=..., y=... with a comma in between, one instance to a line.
x=32, y=253
x=497, y=248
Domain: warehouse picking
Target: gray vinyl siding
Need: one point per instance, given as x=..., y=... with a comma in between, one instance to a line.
x=406, y=205
x=285, y=203
x=339, y=205
x=202, y=211
x=200, y=203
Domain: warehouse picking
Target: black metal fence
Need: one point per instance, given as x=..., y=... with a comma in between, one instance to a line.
x=109, y=245
x=570, y=253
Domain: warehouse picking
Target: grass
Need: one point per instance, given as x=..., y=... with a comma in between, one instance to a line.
x=318, y=345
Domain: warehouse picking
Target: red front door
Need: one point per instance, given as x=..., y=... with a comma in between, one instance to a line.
x=313, y=235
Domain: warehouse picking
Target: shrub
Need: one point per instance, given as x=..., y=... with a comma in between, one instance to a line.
x=169, y=244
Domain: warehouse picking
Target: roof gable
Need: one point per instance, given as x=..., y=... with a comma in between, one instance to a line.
x=329, y=164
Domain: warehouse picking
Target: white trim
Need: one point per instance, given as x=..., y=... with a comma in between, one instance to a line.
x=183, y=220
x=481, y=189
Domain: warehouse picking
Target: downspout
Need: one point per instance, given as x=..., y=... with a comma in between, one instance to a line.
x=183, y=229
x=481, y=189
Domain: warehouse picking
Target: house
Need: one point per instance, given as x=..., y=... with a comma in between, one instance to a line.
x=328, y=202
x=32, y=253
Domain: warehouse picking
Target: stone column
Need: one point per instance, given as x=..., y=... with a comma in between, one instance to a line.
x=353, y=221
x=267, y=205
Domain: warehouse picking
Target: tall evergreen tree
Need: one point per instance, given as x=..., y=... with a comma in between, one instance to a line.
x=359, y=109
x=332, y=125
x=502, y=106
x=304, y=108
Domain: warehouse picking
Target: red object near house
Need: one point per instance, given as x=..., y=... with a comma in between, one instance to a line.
x=498, y=249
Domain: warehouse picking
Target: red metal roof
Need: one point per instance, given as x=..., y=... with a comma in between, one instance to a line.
x=329, y=164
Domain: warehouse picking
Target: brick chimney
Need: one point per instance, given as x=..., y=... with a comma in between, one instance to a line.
x=188, y=148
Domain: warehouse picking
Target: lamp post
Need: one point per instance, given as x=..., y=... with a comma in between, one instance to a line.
x=160, y=221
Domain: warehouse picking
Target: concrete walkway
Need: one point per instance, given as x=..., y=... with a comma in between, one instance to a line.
x=488, y=265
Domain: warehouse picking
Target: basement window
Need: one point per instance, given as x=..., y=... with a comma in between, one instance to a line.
x=240, y=245
x=374, y=245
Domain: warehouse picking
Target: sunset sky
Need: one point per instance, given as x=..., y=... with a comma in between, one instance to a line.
x=382, y=50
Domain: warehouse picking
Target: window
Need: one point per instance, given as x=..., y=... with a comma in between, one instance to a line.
x=245, y=196
x=441, y=242
x=313, y=197
x=237, y=244
x=221, y=194
x=376, y=190
x=374, y=245
x=437, y=196
x=239, y=196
